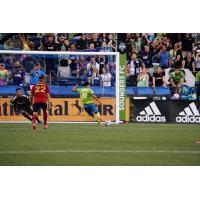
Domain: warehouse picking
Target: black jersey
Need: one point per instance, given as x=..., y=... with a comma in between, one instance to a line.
x=20, y=102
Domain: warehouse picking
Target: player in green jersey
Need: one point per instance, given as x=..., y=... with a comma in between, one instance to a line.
x=87, y=97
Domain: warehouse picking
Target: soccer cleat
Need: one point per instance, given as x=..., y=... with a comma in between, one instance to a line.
x=198, y=142
x=34, y=126
x=45, y=127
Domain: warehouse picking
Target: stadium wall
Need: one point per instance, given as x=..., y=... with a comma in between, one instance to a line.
x=64, y=110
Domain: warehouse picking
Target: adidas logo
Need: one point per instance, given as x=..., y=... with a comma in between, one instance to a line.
x=151, y=114
x=189, y=115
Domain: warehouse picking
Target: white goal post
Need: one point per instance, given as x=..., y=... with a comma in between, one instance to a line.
x=117, y=70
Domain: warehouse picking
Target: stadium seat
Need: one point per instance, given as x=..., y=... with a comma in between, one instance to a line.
x=162, y=91
x=9, y=90
x=144, y=91
x=130, y=91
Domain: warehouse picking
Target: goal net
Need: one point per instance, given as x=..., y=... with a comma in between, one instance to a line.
x=104, y=70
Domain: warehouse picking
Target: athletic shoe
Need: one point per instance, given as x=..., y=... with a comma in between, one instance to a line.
x=198, y=142
x=45, y=126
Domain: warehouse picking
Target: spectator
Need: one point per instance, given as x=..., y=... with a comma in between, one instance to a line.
x=65, y=45
x=159, y=78
x=155, y=46
x=27, y=46
x=82, y=67
x=35, y=74
x=50, y=44
x=64, y=69
x=93, y=68
x=3, y=75
x=60, y=45
x=187, y=43
x=176, y=54
x=189, y=62
x=105, y=78
x=134, y=69
x=138, y=42
x=92, y=46
x=8, y=44
x=18, y=74
x=164, y=57
x=166, y=41
x=143, y=78
x=147, y=57
x=179, y=54
x=197, y=61
x=103, y=38
x=82, y=43
x=145, y=40
x=95, y=41
x=111, y=42
x=105, y=47
x=176, y=80
x=74, y=68
x=72, y=47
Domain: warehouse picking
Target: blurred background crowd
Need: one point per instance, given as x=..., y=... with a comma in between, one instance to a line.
x=153, y=59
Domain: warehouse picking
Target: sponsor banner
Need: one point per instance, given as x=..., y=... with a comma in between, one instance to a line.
x=64, y=109
x=122, y=87
x=164, y=111
x=150, y=111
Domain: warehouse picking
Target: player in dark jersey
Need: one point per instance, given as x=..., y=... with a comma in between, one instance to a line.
x=22, y=104
x=40, y=98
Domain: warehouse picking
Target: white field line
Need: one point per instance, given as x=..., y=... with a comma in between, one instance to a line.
x=98, y=151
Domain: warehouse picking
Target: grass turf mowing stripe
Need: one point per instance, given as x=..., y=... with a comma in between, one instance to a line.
x=99, y=151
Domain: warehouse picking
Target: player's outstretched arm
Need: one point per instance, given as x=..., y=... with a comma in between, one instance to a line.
x=96, y=99
x=74, y=88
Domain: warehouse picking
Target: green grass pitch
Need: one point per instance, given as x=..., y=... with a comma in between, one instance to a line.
x=87, y=144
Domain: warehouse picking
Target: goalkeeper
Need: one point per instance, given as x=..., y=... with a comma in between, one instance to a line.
x=22, y=105
x=87, y=96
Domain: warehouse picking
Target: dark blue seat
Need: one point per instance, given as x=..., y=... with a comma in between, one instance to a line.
x=144, y=91
x=162, y=91
x=9, y=90
x=130, y=91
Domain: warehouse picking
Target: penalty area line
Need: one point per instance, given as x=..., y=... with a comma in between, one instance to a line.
x=97, y=151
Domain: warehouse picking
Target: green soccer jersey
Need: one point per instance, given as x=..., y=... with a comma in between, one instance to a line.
x=177, y=77
x=198, y=77
x=85, y=95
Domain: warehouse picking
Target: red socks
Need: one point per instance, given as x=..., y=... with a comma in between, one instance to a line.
x=34, y=118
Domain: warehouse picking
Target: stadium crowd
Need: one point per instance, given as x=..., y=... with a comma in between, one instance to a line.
x=149, y=55
x=21, y=69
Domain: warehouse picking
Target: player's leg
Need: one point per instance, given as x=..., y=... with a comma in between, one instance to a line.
x=96, y=113
x=30, y=112
x=36, y=107
x=45, y=116
x=26, y=116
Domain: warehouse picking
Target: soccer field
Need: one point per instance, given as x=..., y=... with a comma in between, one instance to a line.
x=87, y=144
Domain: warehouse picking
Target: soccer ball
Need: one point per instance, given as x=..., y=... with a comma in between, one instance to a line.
x=107, y=123
x=176, y=96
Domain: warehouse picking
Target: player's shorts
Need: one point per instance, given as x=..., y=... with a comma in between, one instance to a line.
x=37, y=106
x=91, y=109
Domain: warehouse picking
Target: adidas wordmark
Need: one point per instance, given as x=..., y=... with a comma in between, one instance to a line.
x=151, y=114
x=189, y=115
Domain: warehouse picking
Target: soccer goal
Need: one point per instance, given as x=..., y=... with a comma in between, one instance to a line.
x=106, y=71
